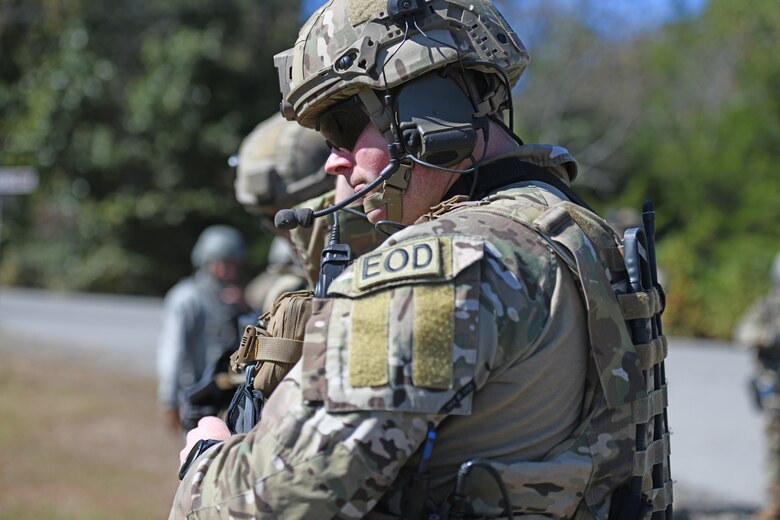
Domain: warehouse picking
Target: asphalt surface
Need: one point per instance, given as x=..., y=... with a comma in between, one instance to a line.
x=717, y=444
x=110, y=331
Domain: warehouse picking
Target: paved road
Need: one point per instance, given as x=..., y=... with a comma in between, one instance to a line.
x=716, y=440
x=91, y=328
x=717, y=445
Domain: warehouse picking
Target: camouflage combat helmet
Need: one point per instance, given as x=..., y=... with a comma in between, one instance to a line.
x=353, y=51
x=217, y=243
x=350, y=45
x=280, y=164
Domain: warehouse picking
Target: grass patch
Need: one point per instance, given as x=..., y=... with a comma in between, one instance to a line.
x=80, y=442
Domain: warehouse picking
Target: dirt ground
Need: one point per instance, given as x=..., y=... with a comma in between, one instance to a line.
x=78, y=442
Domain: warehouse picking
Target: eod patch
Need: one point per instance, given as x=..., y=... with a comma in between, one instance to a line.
x=408, y=260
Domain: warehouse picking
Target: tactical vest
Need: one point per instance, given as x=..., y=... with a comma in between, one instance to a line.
x=623, y=435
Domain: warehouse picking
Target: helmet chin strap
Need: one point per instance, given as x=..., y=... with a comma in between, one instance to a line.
x=390, y=195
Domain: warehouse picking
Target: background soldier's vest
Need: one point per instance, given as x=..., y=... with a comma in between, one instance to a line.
x=309, y=242
x=616, y=463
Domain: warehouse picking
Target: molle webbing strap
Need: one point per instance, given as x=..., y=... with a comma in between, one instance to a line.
x=642, y=309
x=279, y=336
x=653, y=352
x=640, y=305
x=279, y=350
x=661, y=497
x=655, y=453
x=646, y=408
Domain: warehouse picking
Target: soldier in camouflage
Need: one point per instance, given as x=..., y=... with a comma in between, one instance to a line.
x=280, y=164
x=486, y=327
x=200, y=324
x=759, y=329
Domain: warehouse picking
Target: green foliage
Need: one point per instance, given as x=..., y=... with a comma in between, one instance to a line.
x=706, y=153
x=688, y=116
x=129, y=112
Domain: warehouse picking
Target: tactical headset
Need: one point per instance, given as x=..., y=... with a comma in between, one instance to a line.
x=431, y=120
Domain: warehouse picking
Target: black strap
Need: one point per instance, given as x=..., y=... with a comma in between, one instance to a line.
x=510, y=170
x=246, y=407
x=625, y=506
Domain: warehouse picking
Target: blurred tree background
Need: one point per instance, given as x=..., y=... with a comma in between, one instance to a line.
x=687, y=115
x=129, y=112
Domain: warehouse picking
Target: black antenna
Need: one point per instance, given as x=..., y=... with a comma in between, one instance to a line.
x=335, y=258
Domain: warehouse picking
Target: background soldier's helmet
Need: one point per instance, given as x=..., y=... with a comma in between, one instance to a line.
x=350, y=45
x=280, y=165
x=776, y=270
x=217, y=243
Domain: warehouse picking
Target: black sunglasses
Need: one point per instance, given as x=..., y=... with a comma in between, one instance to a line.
x=342, y=124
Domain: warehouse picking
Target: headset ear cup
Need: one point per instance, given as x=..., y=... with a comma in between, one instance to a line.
x=412, y=141
x=437, y=120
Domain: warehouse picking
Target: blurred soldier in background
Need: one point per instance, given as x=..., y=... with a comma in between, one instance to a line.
x=281, y=165
x=283, y=273
x=199, y=323
x=759, y=329
x=484, y=333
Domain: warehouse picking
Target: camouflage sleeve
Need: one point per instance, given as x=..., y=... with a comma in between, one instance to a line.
x=408, y=335
x=301, y=462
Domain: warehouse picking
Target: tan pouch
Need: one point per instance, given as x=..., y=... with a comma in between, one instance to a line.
x=277, y=343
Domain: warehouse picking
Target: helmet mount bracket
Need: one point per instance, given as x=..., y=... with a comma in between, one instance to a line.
x=400, y=9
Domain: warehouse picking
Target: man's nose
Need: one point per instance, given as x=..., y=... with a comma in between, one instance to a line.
x=339, y=162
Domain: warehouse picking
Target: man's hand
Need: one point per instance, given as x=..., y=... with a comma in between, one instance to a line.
x=208, y=428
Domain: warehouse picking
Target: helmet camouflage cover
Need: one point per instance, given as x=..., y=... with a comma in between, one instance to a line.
x=349, y=45
x=280, y=164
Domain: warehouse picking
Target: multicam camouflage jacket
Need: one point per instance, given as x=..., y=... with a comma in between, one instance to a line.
x=473, y=322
